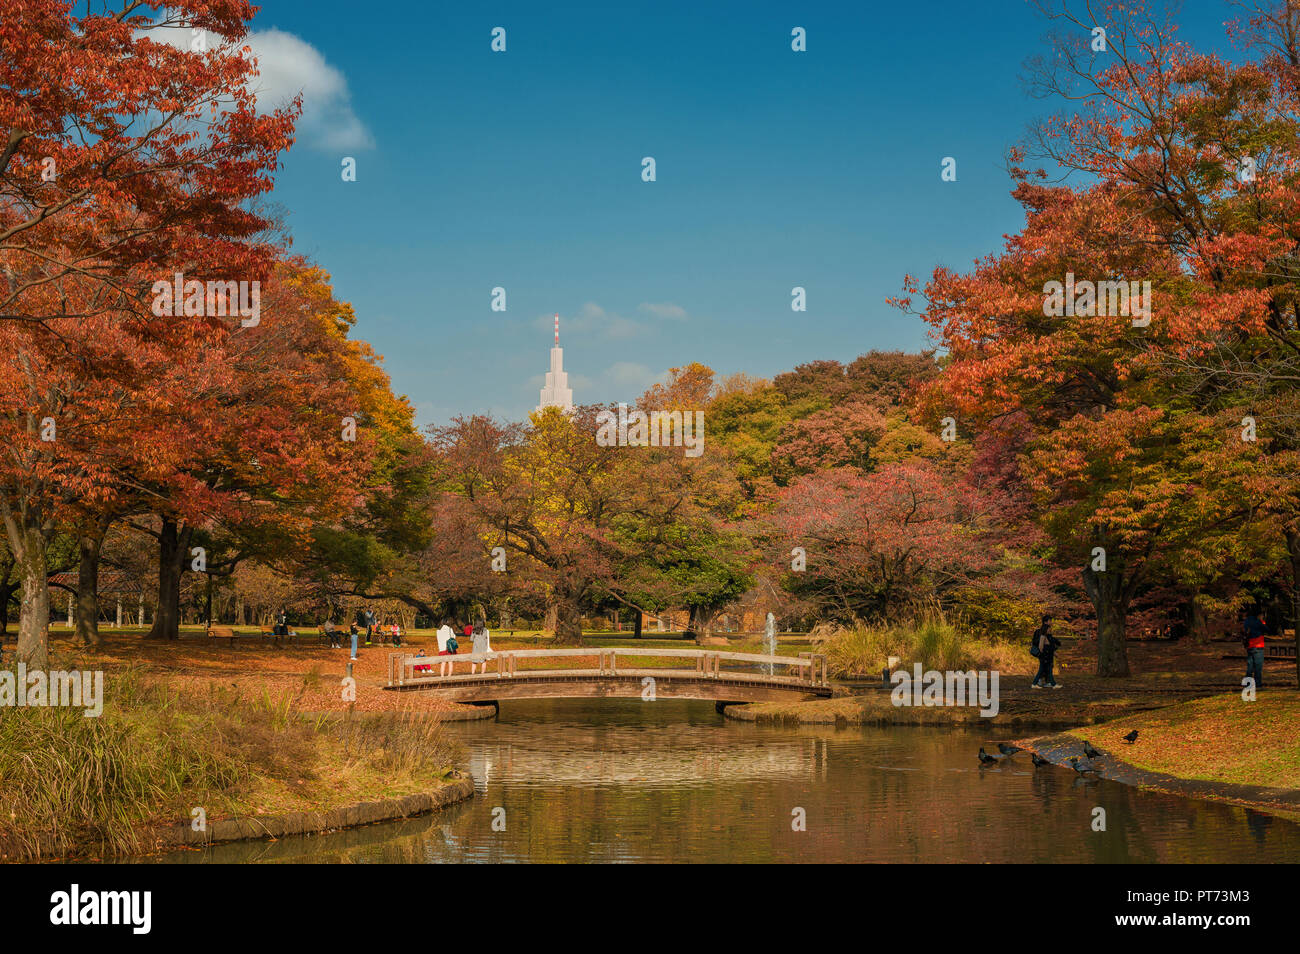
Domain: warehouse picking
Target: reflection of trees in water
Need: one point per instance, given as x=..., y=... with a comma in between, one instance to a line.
x=714, y=792
x=659, y=766
x=405, y=836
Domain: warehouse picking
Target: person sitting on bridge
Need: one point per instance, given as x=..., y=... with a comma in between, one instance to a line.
x=421, y=668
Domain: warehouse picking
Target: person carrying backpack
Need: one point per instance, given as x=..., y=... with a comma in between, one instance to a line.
x=447, y=646
x=1044, y=645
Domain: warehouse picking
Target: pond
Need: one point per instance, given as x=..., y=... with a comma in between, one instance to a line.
x=672, y=781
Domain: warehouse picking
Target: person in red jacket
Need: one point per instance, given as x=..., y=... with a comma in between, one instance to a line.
x=1253, y=631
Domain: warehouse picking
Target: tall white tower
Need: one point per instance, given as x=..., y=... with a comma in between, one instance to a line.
x=557, y=393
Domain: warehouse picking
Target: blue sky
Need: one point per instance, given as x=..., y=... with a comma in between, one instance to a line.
x=522, y=169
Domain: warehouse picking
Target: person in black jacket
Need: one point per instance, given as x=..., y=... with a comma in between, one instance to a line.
x=1046, y=644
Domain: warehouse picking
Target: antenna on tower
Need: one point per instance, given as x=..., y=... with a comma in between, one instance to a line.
x=557, y=329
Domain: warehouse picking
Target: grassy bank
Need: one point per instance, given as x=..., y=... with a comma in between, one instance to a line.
x=71, y=785
x=1019, y=708
x=1216, y=739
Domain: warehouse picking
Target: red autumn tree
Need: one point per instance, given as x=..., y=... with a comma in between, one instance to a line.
x=884, y=542
x=1126, y=456
x=125, y=157
x=270, y=438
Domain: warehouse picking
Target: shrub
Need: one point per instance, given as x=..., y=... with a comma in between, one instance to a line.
x=988, y=613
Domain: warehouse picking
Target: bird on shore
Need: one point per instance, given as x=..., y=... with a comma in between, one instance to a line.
x=1008, y=749
x=1074, y=764
x=985, y=758
x=1089, y=751
x=1131, y=737
x=1038, y=760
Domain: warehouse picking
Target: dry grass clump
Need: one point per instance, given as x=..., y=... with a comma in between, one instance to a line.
x=71, y=784
x=863, y=650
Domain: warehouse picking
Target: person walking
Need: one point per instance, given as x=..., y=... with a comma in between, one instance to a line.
x=1044, y=646
x=1253, y=631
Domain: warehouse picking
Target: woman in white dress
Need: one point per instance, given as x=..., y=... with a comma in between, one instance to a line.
x=444, y=635
x=481, y=645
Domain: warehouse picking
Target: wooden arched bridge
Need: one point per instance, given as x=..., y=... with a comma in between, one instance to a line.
x=643, y=673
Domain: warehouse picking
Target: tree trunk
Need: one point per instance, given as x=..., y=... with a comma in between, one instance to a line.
x=1293, y=549
x=700, y=623
x=636, y=625
x=550, y=625
x=1106, y=591
x=89, y=543
x=172, y=545
x=568, y=617
x=28, y=543
x=1197, y=628
x=34, y=615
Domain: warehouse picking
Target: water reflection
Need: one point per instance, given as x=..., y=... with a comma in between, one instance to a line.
x=621, y=780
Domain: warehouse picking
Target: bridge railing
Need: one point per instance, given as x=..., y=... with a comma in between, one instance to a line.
x=807, y=669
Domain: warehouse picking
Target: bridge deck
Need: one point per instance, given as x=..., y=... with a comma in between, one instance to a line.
x=707, y=680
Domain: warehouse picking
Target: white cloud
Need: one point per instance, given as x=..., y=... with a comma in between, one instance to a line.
x=633, y=378
x=621, y=381
x=665, y=310
x=287, y=66
x=593, y=321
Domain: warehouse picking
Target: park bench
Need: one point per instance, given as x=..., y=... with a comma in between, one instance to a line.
x=222, y=632
x=1273, y=649
x=268, y=632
